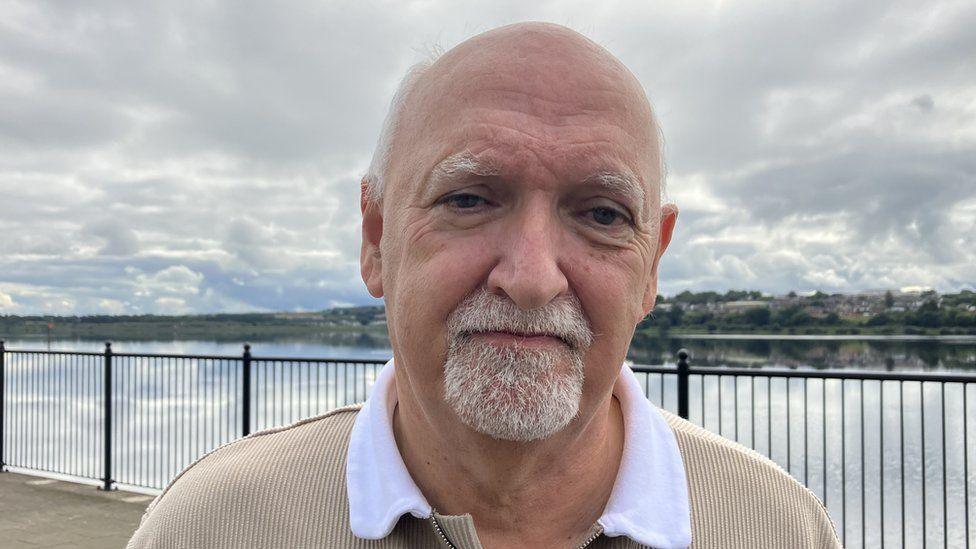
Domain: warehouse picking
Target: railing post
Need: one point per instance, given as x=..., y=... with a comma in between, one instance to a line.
x=683, y=383
x=3, y=350
x=107, y=398
x=246, y=392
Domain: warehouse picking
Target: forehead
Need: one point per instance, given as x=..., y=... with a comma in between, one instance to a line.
x=558, y=112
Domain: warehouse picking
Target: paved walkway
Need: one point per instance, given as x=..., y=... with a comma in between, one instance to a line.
x=39, y=512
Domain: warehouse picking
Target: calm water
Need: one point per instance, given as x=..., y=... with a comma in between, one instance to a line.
x=894, y=353
x=853, y=443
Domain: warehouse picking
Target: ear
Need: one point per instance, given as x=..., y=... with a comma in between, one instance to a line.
x=370, y=262
x=669, y=215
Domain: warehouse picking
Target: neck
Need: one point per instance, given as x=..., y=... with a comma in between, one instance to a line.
x=545, y=493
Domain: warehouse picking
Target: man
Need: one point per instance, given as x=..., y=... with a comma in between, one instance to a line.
x=512, y=222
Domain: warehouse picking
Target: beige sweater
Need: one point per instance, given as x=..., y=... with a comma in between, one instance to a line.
x=286, y=488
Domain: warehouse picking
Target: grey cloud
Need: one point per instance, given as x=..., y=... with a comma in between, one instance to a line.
x=188, y=156
x=924, y=103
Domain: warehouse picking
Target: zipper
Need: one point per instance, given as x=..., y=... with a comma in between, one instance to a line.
x=449, y=543
x=591, y=539
x=440, y=531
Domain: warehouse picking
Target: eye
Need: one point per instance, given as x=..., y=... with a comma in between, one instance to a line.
x=463, y=201
x=606, y=216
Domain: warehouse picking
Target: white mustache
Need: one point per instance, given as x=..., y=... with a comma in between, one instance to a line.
x=484, y=311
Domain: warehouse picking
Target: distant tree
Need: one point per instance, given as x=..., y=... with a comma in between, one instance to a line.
x=663, y=324
x=676, y=314
x=792, y=316
x=879, y=320
x=927, y=315
x=757, y=316
x=889, y=300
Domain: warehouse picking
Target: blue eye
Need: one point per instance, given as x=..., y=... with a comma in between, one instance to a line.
x=604, y=215
x=464, y=201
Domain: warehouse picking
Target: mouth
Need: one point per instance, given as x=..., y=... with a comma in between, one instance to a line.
x=539, y=340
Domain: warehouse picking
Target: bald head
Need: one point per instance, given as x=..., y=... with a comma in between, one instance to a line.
x=543, y=72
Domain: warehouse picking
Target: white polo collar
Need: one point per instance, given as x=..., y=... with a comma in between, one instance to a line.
x=648, y=503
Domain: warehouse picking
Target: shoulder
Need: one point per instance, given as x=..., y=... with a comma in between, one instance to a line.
x=240, y=490
x=739, y=495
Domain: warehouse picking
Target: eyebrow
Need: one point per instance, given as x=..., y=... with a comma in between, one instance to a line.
x=463, y=163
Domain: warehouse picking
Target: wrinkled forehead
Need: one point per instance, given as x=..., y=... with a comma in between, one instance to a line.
x=572, y=98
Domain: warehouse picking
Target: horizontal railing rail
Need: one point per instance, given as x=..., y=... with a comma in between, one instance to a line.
x=888, y=453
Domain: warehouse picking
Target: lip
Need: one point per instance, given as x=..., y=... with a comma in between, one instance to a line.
x=523, y=340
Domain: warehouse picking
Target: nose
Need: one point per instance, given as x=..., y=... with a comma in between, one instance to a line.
x=528, y=269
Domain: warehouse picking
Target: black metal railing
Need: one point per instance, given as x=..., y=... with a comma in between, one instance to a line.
x=888, y=453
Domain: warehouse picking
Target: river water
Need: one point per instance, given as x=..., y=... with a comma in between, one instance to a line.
x=892, y=353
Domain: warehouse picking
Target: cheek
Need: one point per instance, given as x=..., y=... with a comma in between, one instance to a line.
x=433, y=275
x=610, y=288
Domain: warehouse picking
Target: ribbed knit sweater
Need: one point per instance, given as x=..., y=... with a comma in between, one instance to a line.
x=286, y=487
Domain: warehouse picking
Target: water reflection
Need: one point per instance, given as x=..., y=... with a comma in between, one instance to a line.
x=892, y=354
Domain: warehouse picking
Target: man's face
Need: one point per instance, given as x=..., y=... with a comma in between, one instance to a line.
x=534, y=182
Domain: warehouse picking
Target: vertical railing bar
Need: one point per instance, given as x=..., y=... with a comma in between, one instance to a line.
x=53, y=390
x=223, y=410
x=107, y=433
x=234, y=390
x=214, y=403
x=75, y=415
x=682, y=383
x=901, y=420
x=200, y=408
x=184, y=434
x=91, y=380
x=701, y=393
x=735, y=403
x=945, y=472
x=172, y=419
x=806, y=433
x=921, y=390
x=721, y=378
x=660, y=390
x=260, y=410
x=881, y=462
x=246, y=391
x=160, y=422
x=823, y=429
x=318, y=388
x=860, y=425
x=58, y=413
x=117, y=425
x=31, y=389
x=843, y=456
x=752, y=411
x=769, y=417
x=965, y=457
x=789, y=430
x=62, y=412
x=291, y=391
x=70, y=414
x=279, y=383
x=157, y=418
x=3, y=403
x=15, y=421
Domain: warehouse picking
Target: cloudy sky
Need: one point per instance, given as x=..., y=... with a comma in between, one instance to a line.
x=180, y=157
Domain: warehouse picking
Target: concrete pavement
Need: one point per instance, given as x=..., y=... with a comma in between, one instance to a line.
x=40, y=512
